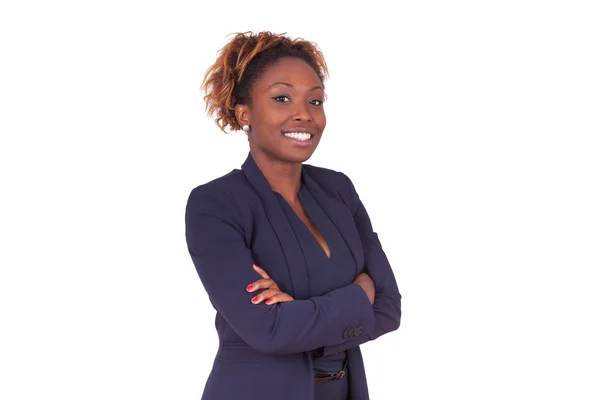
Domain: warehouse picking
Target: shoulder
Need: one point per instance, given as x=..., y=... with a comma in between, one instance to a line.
x=218, y=197
x=231, y=181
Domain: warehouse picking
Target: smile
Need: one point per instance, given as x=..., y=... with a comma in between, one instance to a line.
x=301, y=136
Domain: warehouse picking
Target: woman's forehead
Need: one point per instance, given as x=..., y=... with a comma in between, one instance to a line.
x=289, y=71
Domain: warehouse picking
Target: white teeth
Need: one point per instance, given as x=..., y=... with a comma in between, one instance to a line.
x=298, y=135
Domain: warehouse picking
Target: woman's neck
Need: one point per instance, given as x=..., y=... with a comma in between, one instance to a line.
x=283, y=177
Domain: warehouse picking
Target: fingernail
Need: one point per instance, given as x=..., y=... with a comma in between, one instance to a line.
x=254, y=299
x=268, y=301
x=249, y=288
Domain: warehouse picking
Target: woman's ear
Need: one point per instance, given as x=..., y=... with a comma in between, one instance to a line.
x=242, y=114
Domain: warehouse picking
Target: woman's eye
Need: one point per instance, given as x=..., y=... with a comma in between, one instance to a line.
x=281, y=99
x=317, y=102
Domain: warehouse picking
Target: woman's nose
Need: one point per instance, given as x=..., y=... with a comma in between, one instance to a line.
x=301, y=113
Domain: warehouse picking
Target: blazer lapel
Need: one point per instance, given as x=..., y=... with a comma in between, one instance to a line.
x=340, y=215
x=287, y=240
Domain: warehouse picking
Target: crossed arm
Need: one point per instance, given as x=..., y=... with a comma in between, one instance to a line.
x=271, y=294
x=284, y=325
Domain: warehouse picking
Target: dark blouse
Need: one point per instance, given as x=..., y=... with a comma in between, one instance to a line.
x=324, y=274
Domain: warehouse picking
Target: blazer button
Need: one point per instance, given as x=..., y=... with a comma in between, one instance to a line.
x=345, y=334
x=358, y=330
x=351, y=333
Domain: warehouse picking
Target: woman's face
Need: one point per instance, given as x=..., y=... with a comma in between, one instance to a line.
x=287, y=116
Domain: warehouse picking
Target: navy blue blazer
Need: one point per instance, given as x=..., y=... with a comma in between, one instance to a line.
x=267, y=351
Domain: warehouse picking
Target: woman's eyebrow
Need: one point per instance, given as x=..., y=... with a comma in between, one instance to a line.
x=293, y=87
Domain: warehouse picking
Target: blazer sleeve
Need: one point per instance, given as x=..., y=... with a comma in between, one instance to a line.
x=215, y=241
x=387, y=306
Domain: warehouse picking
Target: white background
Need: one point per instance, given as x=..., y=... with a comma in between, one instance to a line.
x=470, y=129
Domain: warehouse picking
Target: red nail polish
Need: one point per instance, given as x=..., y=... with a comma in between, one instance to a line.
x=249, y=287
x=254, y=299
x=268, y=301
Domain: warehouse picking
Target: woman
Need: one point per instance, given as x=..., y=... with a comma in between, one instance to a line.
x=285, y=250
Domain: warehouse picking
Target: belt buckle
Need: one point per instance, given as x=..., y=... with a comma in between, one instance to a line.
x=327, y=377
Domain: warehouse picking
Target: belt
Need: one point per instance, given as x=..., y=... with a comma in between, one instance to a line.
x=321, y=377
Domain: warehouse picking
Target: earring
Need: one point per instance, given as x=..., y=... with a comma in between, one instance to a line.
x=246, y=128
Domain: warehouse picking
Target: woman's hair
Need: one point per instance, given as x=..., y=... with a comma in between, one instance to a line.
x=241, y=62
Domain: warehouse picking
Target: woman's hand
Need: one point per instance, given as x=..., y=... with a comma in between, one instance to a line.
x=367, y=284
x=271, y=293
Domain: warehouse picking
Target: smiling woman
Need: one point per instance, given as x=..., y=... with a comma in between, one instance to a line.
x=285, y=113
x=285, y=250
